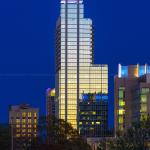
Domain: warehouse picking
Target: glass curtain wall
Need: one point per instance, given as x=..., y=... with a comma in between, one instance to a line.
x=75, y=70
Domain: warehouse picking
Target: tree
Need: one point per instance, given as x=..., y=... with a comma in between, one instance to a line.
x=5, y=138
x=102, y=145
x=56, y=134
x=134, y=138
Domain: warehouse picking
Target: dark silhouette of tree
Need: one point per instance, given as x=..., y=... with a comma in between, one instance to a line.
x=5, y=137
x=56, y=134
x=134, y=138
x=102, y=145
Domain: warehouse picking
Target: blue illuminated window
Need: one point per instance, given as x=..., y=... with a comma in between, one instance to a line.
x=124, y=71
x=141, y=70
x=148, y=69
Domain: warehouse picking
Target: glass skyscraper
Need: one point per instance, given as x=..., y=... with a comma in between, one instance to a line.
x=76, y=72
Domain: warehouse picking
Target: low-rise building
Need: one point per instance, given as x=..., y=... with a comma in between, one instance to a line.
x=23, y=120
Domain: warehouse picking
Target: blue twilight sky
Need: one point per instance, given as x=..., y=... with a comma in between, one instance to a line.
x=27, y=38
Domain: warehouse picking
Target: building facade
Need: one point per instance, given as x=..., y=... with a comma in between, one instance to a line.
x=93, y=116
x=76, y=72
x=132, y=95
x=50, y=102
x=23, y=120
x=50, y=113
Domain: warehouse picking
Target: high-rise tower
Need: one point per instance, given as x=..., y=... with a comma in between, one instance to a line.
x=75, y=70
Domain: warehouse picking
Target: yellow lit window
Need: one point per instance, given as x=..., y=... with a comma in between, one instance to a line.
x=29, y=114
x=23, y=121
x=143, y=117
x=120, y=127
x=143, y=98
x=52, y=93
x=23, y=130
x=29, y=130
x=35, y=126
x=23, y=125
x=17, y=135
x=120, y=120
x=23, y=114
x=29, y=120
x=80, y=123
x=97, y=122
x=35, y=121
x=17, y=126
x=18, y=130
x=94, y=113
x=35, y=114
x=121, y=103
x=29, y=126
x=92, y=122
x=121, y=111
x=17, y=120
x=143, y=108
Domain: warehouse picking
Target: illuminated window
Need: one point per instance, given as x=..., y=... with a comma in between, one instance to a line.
x=145, y=90
x=143, y=108
x=35, y=114
x=120, y=120
x=121, y=111
x=121, y=103
x=23, y=130
x=29, y=114
x=52, y=93
x=17, y=126
x=29, y=120
x=29, y=130
x=18, y=130
x=80, y=123
x=124, y=71
x=29, y=126
x=23, y=114
x=121, y=94
x=97, y=122
x=94, y=113
x=143, y=117
x=120, y=127
x=17, y=120
x=23, y=121
x=143, y=98
x=17, y=135
x=35, y=121
x=23, y=125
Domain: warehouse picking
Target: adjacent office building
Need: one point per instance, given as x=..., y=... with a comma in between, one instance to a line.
x=23, y=120
x=76, y=72
x=132, y=95
x=50, y=112
x=93, y=115
x=50, y=102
